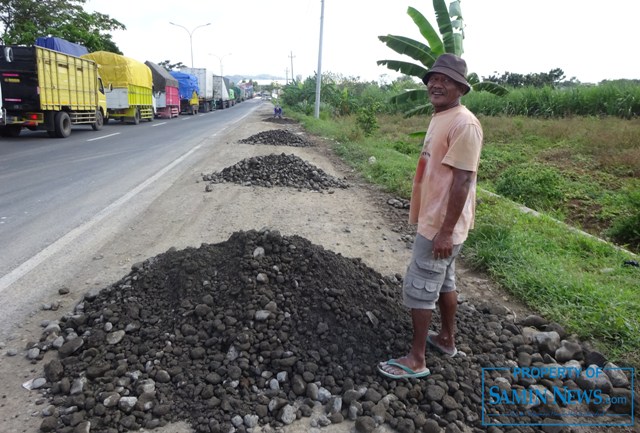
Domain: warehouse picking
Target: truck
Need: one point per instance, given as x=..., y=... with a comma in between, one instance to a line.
x=221, y=92
x=205, y=87
x=246, y=91
x=165, y=92
x=46, y=89
x=131, y=96
x=231, y=90
x=188, y=90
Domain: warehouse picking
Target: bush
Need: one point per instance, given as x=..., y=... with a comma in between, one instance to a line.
x=533, y=185
x=367, y=120
x=626, y=230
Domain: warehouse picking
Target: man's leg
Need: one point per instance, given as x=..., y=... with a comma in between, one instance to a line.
x=415, y=360
x=421, y=303
x=448, y=305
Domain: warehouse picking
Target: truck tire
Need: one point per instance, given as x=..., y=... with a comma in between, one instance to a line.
x=99, y=123
x=136, y=117
x=62, y=123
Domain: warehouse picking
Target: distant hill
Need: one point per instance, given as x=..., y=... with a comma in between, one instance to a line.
x=260, y=78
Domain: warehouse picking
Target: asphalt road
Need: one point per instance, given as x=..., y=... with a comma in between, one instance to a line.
x=51, y=187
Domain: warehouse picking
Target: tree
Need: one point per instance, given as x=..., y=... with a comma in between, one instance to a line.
x=451, y=27
x=553, y=78
x=171, y=66
x=24, y=21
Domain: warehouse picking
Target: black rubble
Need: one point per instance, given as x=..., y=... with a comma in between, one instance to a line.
x=277, y=137
x=276, y=171
x=253, y=332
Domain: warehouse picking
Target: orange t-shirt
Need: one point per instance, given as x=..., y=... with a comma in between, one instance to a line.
x=454, y=139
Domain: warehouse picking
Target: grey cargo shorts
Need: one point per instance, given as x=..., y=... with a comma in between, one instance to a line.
x=427, y=277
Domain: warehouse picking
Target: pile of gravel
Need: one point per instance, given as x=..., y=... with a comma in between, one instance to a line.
x=277, y=137
x=254, y=332
x=276, y=171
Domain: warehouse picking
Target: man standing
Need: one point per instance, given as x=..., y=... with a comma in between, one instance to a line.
x=443, y=206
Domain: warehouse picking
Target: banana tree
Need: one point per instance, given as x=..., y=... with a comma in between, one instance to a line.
x=451, y=27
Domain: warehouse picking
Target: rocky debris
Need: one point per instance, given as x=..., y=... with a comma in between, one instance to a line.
x=399, y=203
x=279, y=120
x=256, y=331
x=276, y=171
x=277, y=137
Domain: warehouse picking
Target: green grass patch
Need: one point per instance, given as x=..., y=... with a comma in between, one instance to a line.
x=571, y=278
x=593, y=167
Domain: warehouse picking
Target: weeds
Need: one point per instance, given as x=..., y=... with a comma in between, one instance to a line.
x=580, y=282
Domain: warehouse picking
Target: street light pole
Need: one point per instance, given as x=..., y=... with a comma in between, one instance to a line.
x=190, y=35
x=220, y=60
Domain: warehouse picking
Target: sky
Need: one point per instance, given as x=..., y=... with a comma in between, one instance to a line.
x=588, y=40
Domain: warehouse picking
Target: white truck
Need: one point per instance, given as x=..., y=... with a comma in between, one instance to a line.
x=205, y=83
x=221, y=92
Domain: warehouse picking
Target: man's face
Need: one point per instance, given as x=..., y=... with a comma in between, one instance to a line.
x=444, y=93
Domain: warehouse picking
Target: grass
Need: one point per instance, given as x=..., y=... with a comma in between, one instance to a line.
x=576, y=280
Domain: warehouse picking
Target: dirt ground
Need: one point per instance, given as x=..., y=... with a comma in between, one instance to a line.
x=177, y=212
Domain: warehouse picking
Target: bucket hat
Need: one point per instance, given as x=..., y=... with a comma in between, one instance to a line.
x=453, y=67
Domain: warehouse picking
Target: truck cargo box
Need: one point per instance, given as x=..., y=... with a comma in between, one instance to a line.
x=188, y=90
x=220, y=91
x=205, y=81
x=43, y=89
x=187, y=84
x=120, y=71
x=61, y=45
x=131, y=95
x=161, y=77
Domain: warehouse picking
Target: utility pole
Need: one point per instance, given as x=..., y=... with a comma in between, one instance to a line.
x=291, y=56
x=316, y=111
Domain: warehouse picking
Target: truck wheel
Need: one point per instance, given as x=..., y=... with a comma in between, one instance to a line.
x=97, y=125
x=62, y=124
x=136, y=117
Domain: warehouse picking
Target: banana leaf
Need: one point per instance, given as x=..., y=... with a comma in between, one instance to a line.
x=491, y=87
x=427, y=30
x=407, y=46
x=455, y=10
x=444, y=25
x=405, y=68
x=424, y=109
x=414, y=95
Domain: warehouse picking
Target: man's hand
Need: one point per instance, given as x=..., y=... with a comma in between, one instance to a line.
x=442, y=245
x=443, y=241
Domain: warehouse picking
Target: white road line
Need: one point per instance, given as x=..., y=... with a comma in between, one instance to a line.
x=104, y=136
x=65, y=240
x=158, y=124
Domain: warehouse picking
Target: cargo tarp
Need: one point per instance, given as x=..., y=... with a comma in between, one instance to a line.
x=120, y=71
x=187, y=84
x=161, y=77
x=62, y=46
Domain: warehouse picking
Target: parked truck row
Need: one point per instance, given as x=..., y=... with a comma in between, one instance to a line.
x=56, y=84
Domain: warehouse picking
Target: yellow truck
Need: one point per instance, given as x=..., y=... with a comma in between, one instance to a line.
x=130, y=97
x=43, y=89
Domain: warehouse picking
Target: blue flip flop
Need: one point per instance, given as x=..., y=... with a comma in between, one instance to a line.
x=445, y=351
x=408, y=373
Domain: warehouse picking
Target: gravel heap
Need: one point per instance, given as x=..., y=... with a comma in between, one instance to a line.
x=254, y=332
x=277, y=137
x=276, y=170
